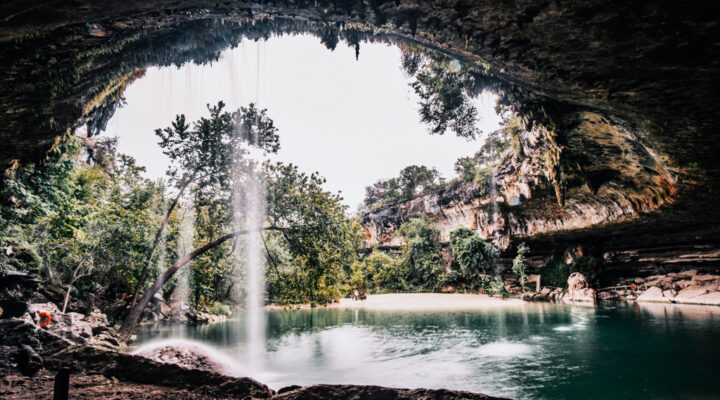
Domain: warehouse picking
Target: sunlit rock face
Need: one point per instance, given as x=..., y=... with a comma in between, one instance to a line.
x=617, y=175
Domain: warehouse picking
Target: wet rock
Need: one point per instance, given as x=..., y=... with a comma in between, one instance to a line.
x=16, y=290
x=72, y=326
x=135, y=368
x=17, y=332
x=77, y=328
x=653, y=294
x=690, y=292
x=320, y=392
x=205, y=318
x=709, y=298
x=184, y=356
x=29, y=362
x=606, y=296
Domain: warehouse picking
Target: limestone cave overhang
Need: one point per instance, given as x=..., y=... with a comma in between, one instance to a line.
x=626, y=92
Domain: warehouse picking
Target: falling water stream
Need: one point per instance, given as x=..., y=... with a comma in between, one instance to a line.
x=185, y=242
x=255, y=293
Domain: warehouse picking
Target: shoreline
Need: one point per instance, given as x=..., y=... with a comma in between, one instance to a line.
x=452, y=302
x=413, y=302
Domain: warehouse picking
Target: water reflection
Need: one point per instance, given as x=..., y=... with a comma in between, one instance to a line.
x=532, y=351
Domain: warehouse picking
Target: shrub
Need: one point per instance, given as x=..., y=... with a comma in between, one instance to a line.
x=219, y=309
x=556, y=272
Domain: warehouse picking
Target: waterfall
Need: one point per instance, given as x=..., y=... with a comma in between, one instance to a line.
x=249, y=213
x=494, y=218
x=255, y=206
x=162, y=247
x=184, y=245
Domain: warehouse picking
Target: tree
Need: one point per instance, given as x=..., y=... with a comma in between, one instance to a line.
x=421, y=253
x=445, y=95
x=207, y=153
x=471, y=254
x=519, y=265
x=80, y=220
x=390, y=272
x=414, y=179
x=383, y=192
x=378, y=269
x=317, y=244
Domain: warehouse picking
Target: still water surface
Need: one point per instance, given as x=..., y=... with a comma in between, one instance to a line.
x=532, y=351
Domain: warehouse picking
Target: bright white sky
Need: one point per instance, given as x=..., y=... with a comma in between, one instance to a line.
x=352, y=121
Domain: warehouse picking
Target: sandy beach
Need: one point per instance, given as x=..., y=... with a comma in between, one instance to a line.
x=421, y=302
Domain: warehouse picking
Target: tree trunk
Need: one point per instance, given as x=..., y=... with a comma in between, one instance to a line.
x=163, y=224
x=135, y=312
x=74, y=277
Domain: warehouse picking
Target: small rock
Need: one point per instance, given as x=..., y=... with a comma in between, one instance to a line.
x=670, y=294
x=607, y=295
x=683, y=284
x=690, y=272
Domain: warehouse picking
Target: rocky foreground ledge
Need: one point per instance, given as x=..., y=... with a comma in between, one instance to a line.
x=80, y=355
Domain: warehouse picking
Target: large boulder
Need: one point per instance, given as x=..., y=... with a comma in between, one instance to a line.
x=16, y=290
x=654, y=294
x=81, y=359
x=579, y=289
x=320, y=392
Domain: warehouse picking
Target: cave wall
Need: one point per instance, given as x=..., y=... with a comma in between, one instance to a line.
x=632, y=86
x=653, y=64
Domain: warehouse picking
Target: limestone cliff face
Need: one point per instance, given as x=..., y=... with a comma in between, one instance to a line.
x=458, y=208
x=621, y=178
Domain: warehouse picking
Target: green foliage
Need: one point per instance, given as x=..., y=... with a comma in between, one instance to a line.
x=81, y=222
x=219, y=309
x=421, y=253
x=445, y=95
x=209, y=157
x=519, y=266
x=412, y=181
x=378, y=270
x=497, y=286
x=315, y=249
x=208, y=152
x=556, y=272
x=479, y=168
x=471, y=254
